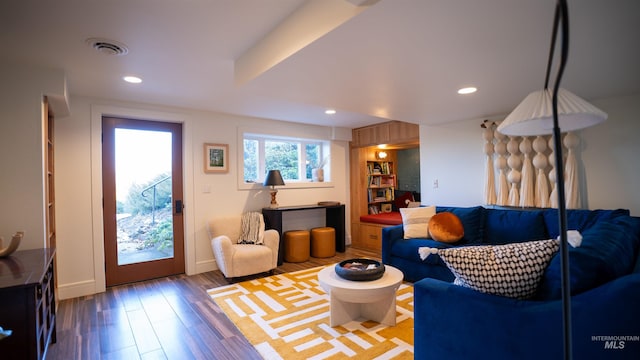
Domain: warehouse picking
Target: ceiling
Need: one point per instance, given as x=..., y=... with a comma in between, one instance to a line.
x=373, y=61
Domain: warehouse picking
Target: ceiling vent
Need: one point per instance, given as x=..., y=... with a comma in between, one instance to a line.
x=108, y=47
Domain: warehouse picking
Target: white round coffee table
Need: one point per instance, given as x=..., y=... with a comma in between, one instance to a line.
x=373, y=300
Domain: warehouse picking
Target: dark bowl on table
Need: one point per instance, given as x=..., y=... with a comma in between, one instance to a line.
x=356, y=269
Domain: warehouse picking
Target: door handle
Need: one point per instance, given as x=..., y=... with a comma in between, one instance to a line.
x=179, y=206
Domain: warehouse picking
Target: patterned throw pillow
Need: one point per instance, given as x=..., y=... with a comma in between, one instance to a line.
x=511, y=270
x=415, y=221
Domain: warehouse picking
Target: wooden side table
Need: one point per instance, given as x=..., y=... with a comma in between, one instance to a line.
x=27, y=303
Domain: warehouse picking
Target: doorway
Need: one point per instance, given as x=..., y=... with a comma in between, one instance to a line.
x=142, y=199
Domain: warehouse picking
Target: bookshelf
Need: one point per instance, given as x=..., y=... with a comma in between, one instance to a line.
x=365, y=143
x=381, y=182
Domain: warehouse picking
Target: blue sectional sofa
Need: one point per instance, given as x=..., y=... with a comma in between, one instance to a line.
x=455, y=322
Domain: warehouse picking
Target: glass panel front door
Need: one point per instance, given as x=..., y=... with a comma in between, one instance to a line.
x=143, y=195
x=142, y=199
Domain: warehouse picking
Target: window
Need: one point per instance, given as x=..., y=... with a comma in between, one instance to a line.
x=293, y=157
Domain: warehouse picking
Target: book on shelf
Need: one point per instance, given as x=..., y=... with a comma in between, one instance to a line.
x=380, y=168
x=380, y=194
x=381, y=181
x=387, y=180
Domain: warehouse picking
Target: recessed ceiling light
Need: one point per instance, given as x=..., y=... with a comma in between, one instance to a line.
x=467, y=90
x=330, y=111
x=132, y=79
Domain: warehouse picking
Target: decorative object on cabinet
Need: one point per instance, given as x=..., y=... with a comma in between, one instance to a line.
x=274, y=178
x=13, y=244
x=317, y=172
x=328, y=203
x=216, y=158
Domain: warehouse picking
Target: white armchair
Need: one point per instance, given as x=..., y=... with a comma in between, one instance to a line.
x=235, y=260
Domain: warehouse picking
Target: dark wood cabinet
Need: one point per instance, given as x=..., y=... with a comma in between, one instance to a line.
x=334, y=217
x=27, y=303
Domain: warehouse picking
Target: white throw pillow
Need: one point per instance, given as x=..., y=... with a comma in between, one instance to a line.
x=511, y=270
x=415, y=221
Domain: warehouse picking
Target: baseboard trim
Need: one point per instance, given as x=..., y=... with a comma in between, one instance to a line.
x=74, y=290
x=205, y=266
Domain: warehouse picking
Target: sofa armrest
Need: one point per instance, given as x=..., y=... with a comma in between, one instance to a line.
x=223, y=253
x=272, y=241
x=455, y=322
x=390, y=235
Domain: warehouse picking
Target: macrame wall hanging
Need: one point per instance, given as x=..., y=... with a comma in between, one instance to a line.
x=523, y=169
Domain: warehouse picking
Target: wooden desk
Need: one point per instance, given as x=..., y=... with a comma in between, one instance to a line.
x=334, y=217
x=27, y=303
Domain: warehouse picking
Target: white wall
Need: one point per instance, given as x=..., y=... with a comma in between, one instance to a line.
x=452, y=154
x=78, y=184
x=22, y=151
x=611, y=156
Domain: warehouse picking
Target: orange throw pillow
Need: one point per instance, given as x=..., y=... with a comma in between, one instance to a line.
x=445, y=227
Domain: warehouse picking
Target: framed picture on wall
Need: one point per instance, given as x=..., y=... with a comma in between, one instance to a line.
x=216, y=158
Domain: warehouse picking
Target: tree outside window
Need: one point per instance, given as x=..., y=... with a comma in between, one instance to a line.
x=295, y=158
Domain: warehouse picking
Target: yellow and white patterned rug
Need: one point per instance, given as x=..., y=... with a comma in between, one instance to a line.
x=286, y=316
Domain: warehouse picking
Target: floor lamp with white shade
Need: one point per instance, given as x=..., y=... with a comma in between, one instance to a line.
x=552, y=111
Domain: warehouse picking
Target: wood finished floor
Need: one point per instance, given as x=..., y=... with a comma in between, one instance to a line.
x=166, y=318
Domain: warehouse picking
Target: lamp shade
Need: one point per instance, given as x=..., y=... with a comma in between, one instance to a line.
x=534, y=115
x=273, y=178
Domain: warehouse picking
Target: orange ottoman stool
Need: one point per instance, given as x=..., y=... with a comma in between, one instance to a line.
x=323, y=242
x=296, y=246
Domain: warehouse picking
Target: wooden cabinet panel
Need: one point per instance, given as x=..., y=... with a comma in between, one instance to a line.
x=392, y=132
x=369, y=237
x=400, y=132
x=27, y=303
x=371, y=135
